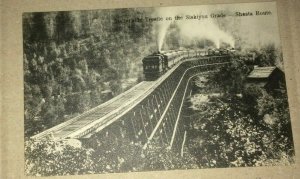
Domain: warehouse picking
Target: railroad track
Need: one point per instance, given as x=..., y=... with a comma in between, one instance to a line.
x=104, y=111
x=101, y=116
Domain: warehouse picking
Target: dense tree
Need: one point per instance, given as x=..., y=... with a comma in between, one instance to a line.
x=230, y=78
x=71, y=57
x=39, y=29
x=48, y=158
x=268, y=55
x=65, y=28
x=226, y=135
x=252, y=130
x=251, y=96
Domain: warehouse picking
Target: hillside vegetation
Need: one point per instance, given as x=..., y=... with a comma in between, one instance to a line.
x=74, y=61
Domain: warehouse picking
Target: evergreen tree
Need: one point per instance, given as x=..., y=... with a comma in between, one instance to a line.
x=39, y=29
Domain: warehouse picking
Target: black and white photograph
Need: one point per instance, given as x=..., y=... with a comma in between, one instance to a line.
x=154, y=89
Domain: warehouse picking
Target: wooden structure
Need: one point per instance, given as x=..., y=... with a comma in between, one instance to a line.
x=272, y=79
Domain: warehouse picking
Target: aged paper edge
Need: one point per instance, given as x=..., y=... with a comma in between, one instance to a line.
x=12, y=128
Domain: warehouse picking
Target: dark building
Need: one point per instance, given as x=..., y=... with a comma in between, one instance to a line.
x=272, y=79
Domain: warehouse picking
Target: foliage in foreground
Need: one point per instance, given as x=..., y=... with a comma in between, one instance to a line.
x=252, y=130
x=227, y=137
x=48, y=158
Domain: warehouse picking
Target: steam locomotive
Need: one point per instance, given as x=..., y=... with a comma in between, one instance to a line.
x=158, y=63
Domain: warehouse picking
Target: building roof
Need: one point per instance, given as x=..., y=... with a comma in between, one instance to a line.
x=261, y=72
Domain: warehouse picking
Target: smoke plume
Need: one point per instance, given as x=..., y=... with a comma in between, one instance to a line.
x=190, y=29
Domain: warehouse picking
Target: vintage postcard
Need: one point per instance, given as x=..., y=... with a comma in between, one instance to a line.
x=154, y=89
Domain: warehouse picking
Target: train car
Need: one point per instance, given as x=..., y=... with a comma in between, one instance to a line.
x=214, y=52
x=177, y=57
x=217, y=52
x=156, y=64
x=168, y=56
x=181, y=54
x=171, y=58
x=192, y=53
x=223, y=51
x=210, y=52
x=184, y=54
x=153, y=66
x=231, y=50
x=202, y=53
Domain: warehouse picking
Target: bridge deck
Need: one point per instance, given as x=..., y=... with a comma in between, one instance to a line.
x=101, y=116
x=104, y=114
x=104, y=111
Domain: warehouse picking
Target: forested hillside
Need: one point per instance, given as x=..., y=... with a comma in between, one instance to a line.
x=76, y=60
x=236, y=125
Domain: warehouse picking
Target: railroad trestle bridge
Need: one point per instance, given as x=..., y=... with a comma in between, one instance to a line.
x=150, y=110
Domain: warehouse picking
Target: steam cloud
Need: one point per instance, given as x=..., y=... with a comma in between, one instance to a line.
x=192, y=29
x=162, y=26
x=162, y=31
